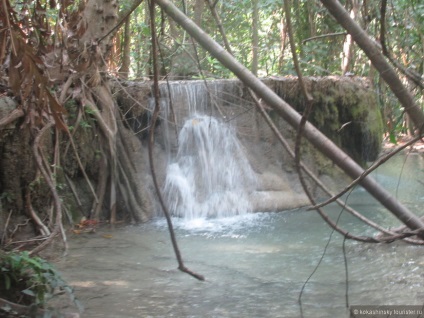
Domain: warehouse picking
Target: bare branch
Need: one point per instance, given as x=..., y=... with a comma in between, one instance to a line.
x=13, y=115
x=293, y=118
x=181, y=265
x=414, y=77
x=372, y=50
x=324, y=36
x=374, y=166
x=52, y=186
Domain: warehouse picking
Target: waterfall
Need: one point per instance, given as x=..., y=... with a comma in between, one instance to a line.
x=210, y=175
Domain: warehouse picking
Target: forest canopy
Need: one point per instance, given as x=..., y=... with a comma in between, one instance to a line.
x=256, y=32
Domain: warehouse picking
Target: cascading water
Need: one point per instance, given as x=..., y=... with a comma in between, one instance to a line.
x=210, y=176
x=203, y=170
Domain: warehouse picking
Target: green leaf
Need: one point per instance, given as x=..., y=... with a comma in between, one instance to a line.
x=392, y=138
x=35, y=262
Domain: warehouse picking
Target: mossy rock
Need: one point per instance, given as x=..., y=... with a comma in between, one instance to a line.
x=345, y=109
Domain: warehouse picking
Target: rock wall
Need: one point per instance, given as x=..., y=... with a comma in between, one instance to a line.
x=344, y=108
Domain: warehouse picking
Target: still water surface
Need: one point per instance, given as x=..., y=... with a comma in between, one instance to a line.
x=255, y=265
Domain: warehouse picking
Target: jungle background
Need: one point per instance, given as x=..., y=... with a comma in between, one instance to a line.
x=61, y=127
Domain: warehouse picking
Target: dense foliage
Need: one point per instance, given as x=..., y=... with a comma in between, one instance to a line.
x=322, y=44
x=29, y=281
x=318, y=36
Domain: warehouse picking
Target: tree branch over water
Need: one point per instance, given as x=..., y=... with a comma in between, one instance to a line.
x=326, y=146
x=181, y=265
x=372, y=50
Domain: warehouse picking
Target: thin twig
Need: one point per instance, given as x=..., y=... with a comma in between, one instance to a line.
x=12, y=116
x=308, y=109
x=101, y=188
x=323, y=36
x=52, y=186
x=374, y=166
x=393, y=235
x=346, y=272
x=65, y=88
x=74, y=148
x=409, y=73
x=74, y=191
x=17, y=226
x=181, y=265
x=32, y=240
x=12, y=40
x=42, y=227
x=4, y=237
x=309, y=106
x=218, y=22
x=170, y=103
x=288, y=149
x=299, y=300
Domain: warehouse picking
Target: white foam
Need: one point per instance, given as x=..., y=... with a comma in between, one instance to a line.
x=234, y=227
x=210, y=175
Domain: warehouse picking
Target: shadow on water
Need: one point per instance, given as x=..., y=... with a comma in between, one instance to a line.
x=255, y=264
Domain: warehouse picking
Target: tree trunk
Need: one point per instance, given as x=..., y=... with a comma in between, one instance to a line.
x=146, y=47
x=311, y=7
x=374, y=53
x=92, y=52
x=255, y=36
x=347, y=54
x=198, y=11
x=283, y=40
x=126, y=60
x=322, y=143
